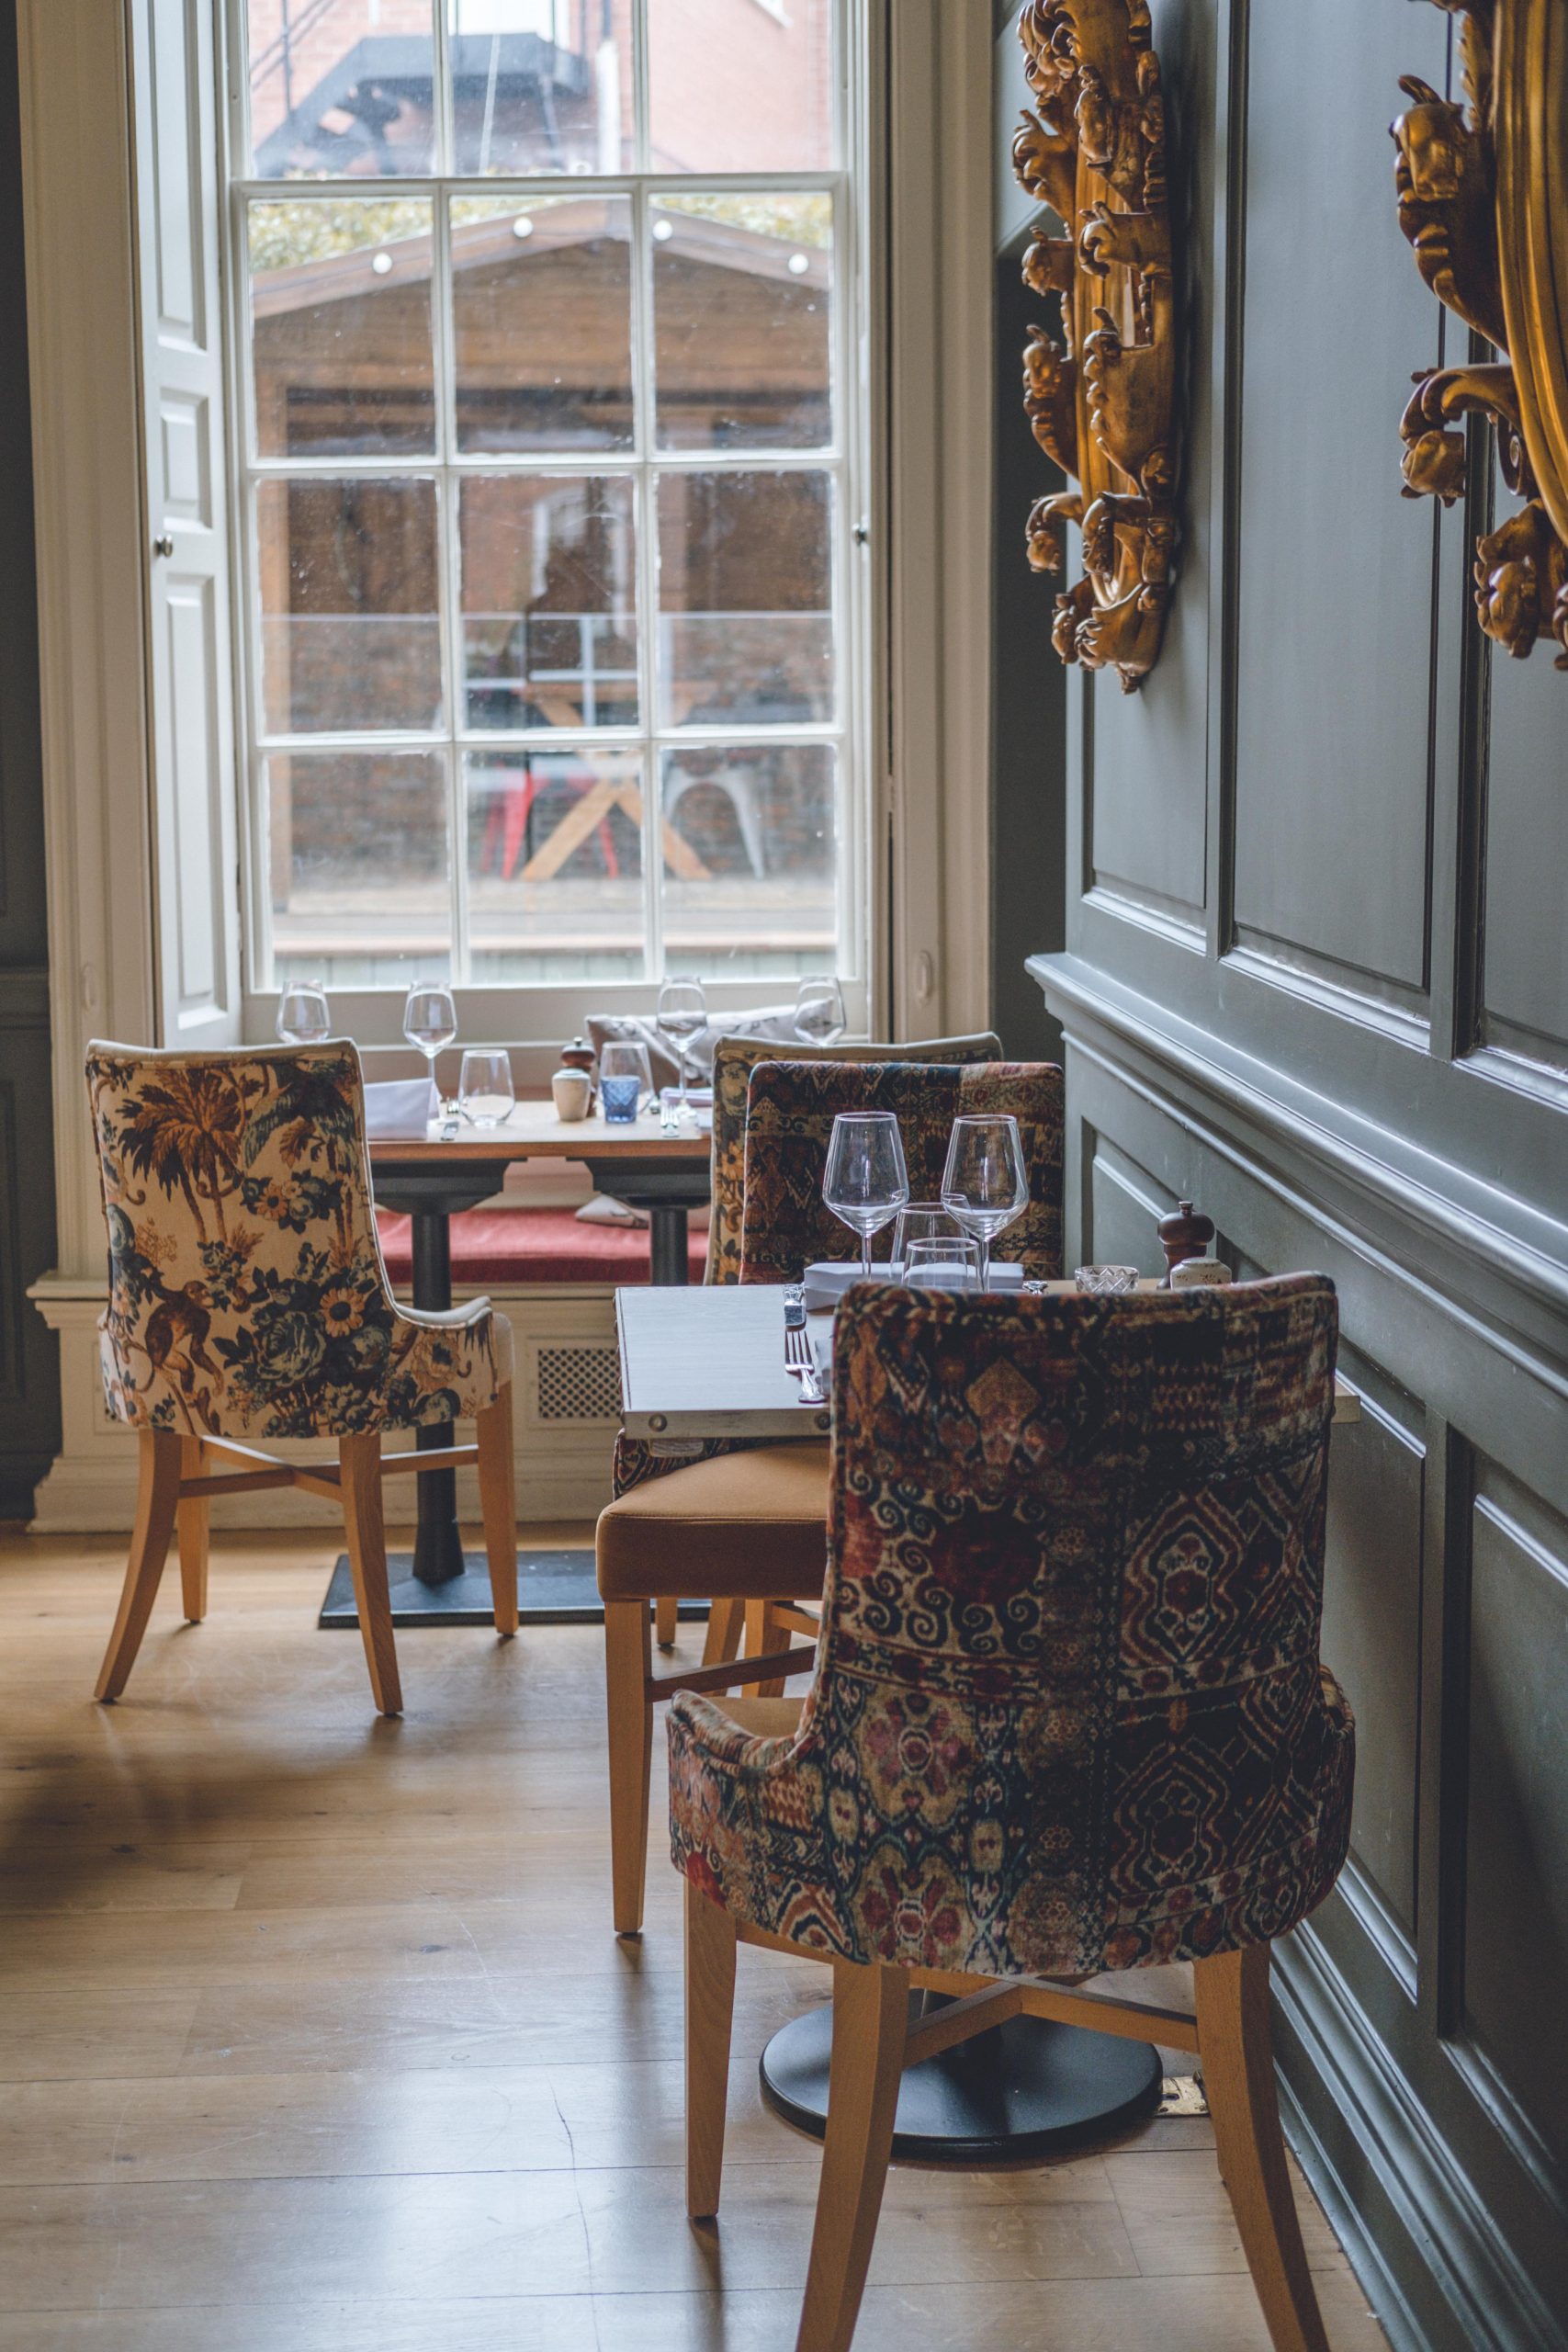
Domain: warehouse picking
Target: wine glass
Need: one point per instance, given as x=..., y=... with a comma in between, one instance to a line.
x=485, y=1091
x=303, y=1018
x=866, y=1183
x=682, y=1011
x=985, y=1186
x=820, y=1017
x=430, y=1022
x=624, y=1079
x=950, y=1262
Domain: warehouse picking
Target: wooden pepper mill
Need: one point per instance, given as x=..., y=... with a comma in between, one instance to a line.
x=578, y=1055
x=1185, y=1235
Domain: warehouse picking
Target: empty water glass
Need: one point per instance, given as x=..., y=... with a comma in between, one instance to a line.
x=945, y=1261
x=985, y=1186
x=485, y=1091
x=303, y=1018
x=625, y=1077
x=919, y=1221
x=1106, y=1282
x=820, y=1017
x=866, y=1183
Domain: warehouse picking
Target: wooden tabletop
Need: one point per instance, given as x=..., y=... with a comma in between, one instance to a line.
x=709, y=1361
x=536, y=1131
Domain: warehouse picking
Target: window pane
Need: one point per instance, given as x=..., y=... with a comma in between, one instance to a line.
x=749, y=860
x=343, y=90
x=359, y=860
x=740, y=86
x=340, y=298
x=541, y=300
x=541, y=86
x=351, y=641
x=742, y=290
x=745, y=630
x=550, y=601
x=555, y=865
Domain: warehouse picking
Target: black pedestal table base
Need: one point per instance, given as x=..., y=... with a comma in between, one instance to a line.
x=554, y=1588
x=1026, y=2089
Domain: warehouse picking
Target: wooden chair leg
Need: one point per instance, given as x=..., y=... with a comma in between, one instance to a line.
x=157, y=1498
x=192, y=1518
x=666, y=1617
x=710, y=2004
x=726, y=1622
x=498, y=1505
x=1235, y=2049
x=871, y=2013
x=763, y=1633
x=359, y=1461
x=628, y=1662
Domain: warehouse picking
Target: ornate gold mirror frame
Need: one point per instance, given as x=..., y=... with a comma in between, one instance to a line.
x=1482, y=193
x=1101, y=401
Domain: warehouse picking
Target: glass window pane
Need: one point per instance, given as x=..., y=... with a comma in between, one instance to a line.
x=541, y=86
x=745, y=628
x=343, y=90
x=351, y=639
x=541, y=304
x=555, y=864
x=550, y=601
x=740, y=86
x=749, y=860
x=742, y=289
x=340, y=298
x=359, y=867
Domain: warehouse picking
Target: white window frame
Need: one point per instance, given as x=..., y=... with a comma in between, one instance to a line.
x=529, y=1011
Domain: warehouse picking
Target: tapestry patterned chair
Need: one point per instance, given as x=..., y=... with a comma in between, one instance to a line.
x=746, y=1526
x=1068, y=1716
x=248, y=1301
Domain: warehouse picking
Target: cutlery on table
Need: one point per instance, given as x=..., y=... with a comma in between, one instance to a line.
x=799, y=1361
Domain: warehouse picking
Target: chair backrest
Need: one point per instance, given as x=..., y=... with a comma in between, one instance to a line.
x=1068, y=1712
x=791, y=1108
x=247, y=1295
x=734, y=1060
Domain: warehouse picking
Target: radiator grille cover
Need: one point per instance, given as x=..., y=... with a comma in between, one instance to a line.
x=579, y=1383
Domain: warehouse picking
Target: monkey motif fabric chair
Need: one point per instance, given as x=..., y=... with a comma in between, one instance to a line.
x=248, y=1299
x=789, y=1121
x=1068, y=1714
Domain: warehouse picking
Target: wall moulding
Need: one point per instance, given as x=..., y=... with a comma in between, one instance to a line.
x=1482, y=195
x=1101, y=399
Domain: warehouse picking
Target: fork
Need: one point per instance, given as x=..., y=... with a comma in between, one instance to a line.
x=800, y=1361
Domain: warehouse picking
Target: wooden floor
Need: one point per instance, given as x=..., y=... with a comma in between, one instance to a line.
x=314, y=2036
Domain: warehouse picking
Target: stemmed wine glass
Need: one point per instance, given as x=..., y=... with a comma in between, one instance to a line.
x=303, y=1018
x=820, y=1018
x=985, y=1186
x=682, y=1011
x=430, y=1022
x=866, y=1183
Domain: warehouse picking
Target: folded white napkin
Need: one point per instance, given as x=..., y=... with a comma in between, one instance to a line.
x=602, y=1210
x=401, y=1109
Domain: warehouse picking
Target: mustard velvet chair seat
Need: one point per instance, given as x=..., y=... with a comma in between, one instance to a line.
x=1068, y=1716
x=248, y=1301
x=745, y=1526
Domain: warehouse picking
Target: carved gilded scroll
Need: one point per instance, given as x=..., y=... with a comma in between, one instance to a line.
x=1482, y=194
x=1101, y=396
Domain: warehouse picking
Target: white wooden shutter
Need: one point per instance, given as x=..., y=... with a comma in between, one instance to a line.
x=187, y=556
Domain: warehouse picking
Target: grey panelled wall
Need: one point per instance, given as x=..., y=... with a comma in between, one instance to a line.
x=1315, y=975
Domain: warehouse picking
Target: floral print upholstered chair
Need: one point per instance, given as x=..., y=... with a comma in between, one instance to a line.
x=1068, y=1716
x=248, y=1302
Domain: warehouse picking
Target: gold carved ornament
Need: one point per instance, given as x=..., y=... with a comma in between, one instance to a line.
x=1483, y=191
x=1101, y=400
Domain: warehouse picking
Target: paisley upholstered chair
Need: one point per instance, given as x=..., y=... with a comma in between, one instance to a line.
x=248, y=1302
x=745, y=1526
x=1068, y=1716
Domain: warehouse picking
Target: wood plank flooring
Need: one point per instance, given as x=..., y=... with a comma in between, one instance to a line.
x=314, y=2036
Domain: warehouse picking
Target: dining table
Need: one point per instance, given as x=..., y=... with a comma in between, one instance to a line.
x=709, y=1363
x=651, y=1165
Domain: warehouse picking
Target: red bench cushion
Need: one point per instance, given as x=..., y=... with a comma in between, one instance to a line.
x=506, y=1247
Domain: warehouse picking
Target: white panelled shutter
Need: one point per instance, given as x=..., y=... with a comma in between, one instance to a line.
x=189, y=647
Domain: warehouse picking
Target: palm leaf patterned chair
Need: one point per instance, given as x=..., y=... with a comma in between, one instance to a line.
x=745, y=1526
x=1068, y=1716
x=248, y=1301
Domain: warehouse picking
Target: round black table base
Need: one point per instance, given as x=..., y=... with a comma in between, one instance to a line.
x=1025, y=2089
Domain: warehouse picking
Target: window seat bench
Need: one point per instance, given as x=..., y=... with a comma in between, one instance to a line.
x=508, y=1247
